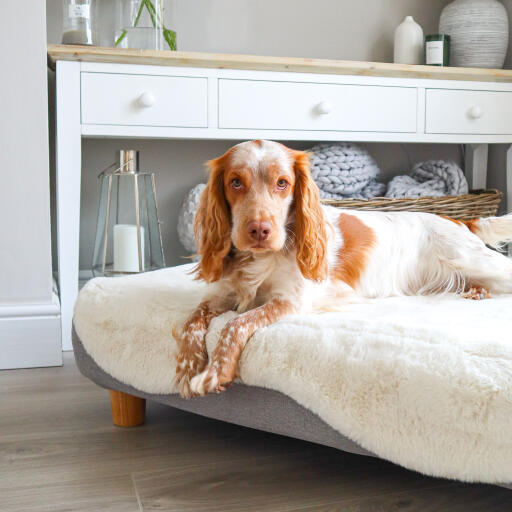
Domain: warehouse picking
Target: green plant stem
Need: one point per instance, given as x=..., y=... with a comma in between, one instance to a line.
x=158, y=14
x=151, y=11
x=156, y=19
x=139, y=13
x=169, y=35
x=120, y=38
x=135, y=23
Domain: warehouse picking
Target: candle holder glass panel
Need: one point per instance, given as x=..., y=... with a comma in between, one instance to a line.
x=128, y=237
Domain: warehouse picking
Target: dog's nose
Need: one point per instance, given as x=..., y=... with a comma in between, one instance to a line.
x=259, y=230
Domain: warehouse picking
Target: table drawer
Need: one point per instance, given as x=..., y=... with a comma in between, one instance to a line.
x=468, y=112
x=259, y=104
x=144, y=100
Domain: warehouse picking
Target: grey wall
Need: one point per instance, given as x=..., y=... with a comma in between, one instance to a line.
x=25, y=253
x=337, y=29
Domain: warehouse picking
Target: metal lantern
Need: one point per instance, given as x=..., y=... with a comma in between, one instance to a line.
x=128, y=237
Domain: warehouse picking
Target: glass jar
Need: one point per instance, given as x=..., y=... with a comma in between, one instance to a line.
x=437, y=50
x=77, y=25
x=140, y=24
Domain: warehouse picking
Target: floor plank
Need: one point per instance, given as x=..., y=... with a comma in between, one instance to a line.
x=104, y=493
x=69, y=456
x=274, y=483
x=446, y=498
x=60, y=452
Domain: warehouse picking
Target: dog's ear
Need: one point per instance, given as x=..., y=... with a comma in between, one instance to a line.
x=310, y=230
x=212, y=225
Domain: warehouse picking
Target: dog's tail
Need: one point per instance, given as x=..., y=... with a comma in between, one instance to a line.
x=494, y=231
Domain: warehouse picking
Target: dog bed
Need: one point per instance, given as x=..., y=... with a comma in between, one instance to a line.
x=425, y=382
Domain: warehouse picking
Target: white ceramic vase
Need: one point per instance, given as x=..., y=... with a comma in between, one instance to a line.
x=408, y=42
x=478, y=31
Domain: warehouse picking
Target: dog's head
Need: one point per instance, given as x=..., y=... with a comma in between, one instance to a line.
x=260, y=197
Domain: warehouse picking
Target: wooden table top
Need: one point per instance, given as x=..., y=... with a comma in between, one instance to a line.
x=255, y=62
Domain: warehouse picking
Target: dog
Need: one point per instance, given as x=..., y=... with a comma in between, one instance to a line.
x=270, y=249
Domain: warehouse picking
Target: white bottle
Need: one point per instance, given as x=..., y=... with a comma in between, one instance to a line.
x=408, y=42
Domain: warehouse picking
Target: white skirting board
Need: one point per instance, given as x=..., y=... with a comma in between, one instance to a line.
x=30, y=335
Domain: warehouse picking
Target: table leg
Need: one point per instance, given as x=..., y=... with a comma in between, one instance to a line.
x=508, y=189
x=476, y=165
x=68, y=163
x=508, y=183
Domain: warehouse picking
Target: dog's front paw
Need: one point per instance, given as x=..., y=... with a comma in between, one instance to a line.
x=186, y=369
x=206, y=382
x=182, y=382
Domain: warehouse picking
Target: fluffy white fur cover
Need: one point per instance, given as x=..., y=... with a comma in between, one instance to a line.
x=425, y=382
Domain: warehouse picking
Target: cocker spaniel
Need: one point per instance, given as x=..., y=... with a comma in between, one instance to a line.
x=270, y=249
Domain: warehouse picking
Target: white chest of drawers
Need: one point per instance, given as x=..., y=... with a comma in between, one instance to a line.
x=128, y=93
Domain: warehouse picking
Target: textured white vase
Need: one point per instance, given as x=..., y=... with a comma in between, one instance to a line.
x=408, y=42
x=478, y=31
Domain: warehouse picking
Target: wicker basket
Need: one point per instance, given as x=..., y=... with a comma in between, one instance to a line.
x=478, y=203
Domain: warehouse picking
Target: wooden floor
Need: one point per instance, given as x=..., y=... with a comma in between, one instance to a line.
x=60, y=452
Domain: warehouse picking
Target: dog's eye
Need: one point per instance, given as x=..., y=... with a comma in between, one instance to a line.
x=236, y=183
x=282, y=184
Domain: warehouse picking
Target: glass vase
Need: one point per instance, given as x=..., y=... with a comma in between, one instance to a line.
x=140, y=24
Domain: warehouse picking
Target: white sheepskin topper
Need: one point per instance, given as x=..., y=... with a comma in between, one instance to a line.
x=425, y=382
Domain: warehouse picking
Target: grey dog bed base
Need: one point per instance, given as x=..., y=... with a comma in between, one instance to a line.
x=248, y=406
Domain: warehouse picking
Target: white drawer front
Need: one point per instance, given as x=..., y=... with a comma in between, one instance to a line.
x=258, y=104
x=144, y=100
x=468, y=112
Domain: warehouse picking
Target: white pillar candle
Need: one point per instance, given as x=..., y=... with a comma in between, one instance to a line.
x=126, y=251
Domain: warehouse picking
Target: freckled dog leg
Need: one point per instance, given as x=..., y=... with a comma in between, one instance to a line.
x=224, y=361
x=192, y=356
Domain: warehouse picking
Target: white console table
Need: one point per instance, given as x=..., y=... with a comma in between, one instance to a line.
x=105, y=92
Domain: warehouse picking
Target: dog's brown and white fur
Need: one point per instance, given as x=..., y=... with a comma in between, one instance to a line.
x=270, y=249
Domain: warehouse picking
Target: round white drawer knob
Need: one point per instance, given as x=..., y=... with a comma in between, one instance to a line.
x=146, y=100
x=475, y=112
x=324, y=107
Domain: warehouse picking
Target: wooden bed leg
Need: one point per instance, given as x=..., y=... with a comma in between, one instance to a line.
x=127, y=410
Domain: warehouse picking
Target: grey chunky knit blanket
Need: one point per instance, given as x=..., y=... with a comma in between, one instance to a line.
x=342, y=170
x=186, y=218
x=434, y=178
